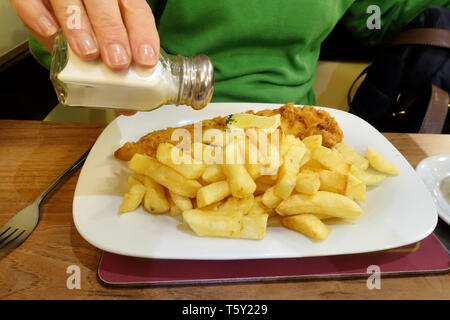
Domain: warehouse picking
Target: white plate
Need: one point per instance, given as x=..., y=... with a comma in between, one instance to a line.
x=433, y=170
x=398, y=212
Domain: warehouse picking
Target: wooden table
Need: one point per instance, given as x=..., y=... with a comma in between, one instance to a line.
x=33, y=153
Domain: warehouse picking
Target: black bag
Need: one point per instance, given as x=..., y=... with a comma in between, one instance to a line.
x=406, y=87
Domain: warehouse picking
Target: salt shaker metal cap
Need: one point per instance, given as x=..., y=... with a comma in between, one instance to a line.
x=197, y=85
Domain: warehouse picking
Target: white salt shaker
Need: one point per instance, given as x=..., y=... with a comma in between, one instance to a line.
x=174, y=80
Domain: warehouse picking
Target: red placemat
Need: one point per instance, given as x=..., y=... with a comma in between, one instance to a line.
x=425, y=256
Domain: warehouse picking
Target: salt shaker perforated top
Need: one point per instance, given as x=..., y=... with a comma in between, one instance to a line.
x=174, y=80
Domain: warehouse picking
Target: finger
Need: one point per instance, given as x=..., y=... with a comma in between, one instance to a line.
x=36, y=17
x=142, y=32
x=76, y=27
x=111, y=34
x=47, y=43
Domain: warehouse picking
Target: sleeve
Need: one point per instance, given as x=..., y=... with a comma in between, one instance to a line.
x=395, y=15
x=44, y=57
x=39, y=52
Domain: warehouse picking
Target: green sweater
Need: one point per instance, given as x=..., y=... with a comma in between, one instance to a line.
x=267, y=51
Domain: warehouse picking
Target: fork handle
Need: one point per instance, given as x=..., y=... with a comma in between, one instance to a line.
x=65, y=174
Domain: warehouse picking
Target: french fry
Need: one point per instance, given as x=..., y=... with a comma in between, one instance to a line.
x=223, y=223
x=233, y=152
x=379, y=163
x=261, y=187
x=268, y=179
x=271, y=160
x=262, y=157
x=356, y=189
x=133, y=181
x=132, y=199
x=215, y=137
x=259, y=208
x=254, y=170
x=313, y=165
x=238, y=204
x=139, y=164
x=288, y=171
x=306, y=158
x=155, y=200
x=213, y=173
x=241, y=184
x=174, y=209
x=211, y=193
x=352, y=156
x=287, y=141
x=330, y=160
x=213, y=206
x=213, y=223
x=184, y=164
x=307, y=224
x=313, y=142
x=164, y=175
x=366, y=177
x=333, y=181
x=252, y=155
x=253, y=227
x=181, y=202
x=322, y=216
x=240, y=181
x=270, y=199
x=322, y=202
x=308, y=182
x=208, y=154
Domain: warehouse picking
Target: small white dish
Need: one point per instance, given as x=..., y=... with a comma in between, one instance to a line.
x=398, y=212
x=435, y=173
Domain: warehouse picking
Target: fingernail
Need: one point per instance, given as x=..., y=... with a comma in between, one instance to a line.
x=117, y=55
x=47, y=27
x=86, y=43
x=147, y=55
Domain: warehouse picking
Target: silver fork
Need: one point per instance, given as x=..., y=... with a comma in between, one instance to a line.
x=19, y=227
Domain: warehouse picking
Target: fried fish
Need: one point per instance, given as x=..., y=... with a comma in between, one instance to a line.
x=298, y=121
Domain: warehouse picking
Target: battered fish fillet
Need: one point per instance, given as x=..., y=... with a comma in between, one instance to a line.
x=299, y=121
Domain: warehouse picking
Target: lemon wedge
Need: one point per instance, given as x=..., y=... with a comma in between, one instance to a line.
x=245, y=120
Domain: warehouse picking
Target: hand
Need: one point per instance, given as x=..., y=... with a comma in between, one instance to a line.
x=118, y=31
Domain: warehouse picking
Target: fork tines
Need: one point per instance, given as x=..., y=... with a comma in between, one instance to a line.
x=7, y=238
